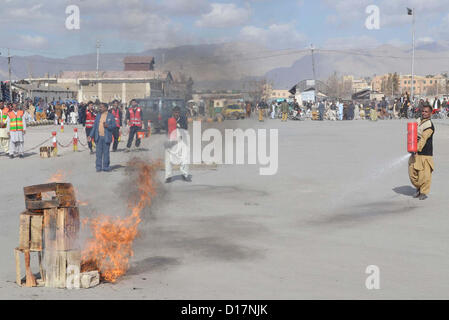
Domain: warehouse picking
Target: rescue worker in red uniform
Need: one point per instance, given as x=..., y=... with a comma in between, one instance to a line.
x=134, y=119
x=117, y=113
x=89, y=121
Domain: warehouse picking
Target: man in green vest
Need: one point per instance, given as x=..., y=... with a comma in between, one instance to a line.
x=16, y=127
x=4, y=137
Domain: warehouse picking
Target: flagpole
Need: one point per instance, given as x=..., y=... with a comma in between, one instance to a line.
x=413, y=56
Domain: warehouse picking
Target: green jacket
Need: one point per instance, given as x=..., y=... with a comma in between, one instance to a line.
x=284, y=107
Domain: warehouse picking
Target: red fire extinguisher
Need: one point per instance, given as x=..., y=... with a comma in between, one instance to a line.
x=412, y=137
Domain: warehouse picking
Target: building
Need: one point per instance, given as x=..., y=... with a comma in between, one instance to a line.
x=360, y=85
x=46, y=92
x=423, y=85
x=139, y=63
x=279, y=94
x=110, y=85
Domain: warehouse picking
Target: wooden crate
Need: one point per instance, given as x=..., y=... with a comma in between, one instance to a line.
x=31, y=231
x=56, y=263
x=47, y=152
x=61, y=228
x=62, y=195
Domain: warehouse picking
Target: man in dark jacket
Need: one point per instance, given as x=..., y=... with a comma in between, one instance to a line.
x=102, y=134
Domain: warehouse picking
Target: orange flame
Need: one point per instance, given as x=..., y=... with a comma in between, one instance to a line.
x=110, y=247
x=59, y=176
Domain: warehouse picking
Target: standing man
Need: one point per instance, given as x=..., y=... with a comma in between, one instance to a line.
x=134, y=119
x=102, y=134
x=284, y=110
x=340, y=110
x=117, y=113
x=16, y=127
x=4, y=136
x=175, y=150
x=421, y=164
x=89, y=120
x=321, y=110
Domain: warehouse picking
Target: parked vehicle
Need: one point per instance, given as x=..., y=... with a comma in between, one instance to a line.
x=158, y=110
x=234, y=111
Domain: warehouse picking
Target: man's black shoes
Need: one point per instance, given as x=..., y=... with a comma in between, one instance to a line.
x=168, y=180
x=187, y=179
x=422, y=197
x=417, y=194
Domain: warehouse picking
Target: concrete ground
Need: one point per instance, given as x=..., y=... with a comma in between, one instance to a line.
x=341, y=201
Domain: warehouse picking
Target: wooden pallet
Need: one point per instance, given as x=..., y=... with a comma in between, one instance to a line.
x=50, y=195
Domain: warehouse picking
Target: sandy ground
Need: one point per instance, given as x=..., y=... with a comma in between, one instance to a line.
x=340, y=201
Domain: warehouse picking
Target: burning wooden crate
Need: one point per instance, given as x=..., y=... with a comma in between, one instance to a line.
x=50, y=225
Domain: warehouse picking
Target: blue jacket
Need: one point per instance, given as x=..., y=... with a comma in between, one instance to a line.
x=110, y=121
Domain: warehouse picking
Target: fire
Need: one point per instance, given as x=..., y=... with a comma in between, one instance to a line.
x=59, y=176
x=110, y=247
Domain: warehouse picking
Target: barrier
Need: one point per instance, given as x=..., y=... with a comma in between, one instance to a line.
x=75, y=139
x=55, y=143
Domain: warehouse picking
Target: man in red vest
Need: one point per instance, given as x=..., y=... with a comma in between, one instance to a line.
x=117, y=113
x=134, y=119
x=89, y=121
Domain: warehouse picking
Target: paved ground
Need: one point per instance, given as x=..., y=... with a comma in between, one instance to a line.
x=339, y=202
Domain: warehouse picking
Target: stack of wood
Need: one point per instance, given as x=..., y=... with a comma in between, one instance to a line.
x=49, y=226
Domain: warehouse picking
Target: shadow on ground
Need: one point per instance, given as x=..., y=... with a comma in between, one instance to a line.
x=152, y=264
x=405, y=190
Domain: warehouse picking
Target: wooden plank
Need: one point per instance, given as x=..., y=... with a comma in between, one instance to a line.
x=41, y=204
x=50, y=268
x=41, y=268
x=36, y=232
x=24, y=231
x=47, y=187
x=50, y=229
x=61, y=269
x=39, y=188
x=18, y=271
x=68, y=225
x=30, y=279
x=74, y=258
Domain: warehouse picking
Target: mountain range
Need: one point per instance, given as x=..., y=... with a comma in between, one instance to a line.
x=231, y=65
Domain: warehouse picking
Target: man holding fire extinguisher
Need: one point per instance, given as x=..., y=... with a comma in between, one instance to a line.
x=134, y=119
x=421, y=163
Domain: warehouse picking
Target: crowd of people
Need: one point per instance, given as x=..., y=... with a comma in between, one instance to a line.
x=327, y=109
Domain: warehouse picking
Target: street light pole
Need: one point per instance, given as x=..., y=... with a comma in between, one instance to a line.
x=312, y=48
x=413, y=56
x=9, y=71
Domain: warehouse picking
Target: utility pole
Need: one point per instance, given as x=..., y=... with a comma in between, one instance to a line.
x=312, y=48
x=9, y=71
x=413, y=56
x=98, y=56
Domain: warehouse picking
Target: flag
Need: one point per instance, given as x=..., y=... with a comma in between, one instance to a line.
x=409, y=11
